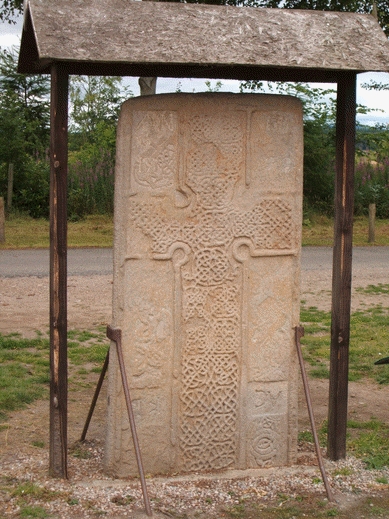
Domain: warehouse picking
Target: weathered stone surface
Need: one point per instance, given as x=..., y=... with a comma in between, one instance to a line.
x=206, y=281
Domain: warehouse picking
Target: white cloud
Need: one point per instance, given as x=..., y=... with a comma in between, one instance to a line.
x=10, y=33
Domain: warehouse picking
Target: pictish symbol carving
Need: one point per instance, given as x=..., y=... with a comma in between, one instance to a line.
x=211, y=282
x=263, y=444
x=155, y=135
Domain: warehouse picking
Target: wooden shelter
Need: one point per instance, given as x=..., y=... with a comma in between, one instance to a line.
x=129, y=38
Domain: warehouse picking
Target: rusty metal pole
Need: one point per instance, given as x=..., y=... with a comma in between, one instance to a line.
x=299, y=332
x=115, y=334
x=342, y=263
x=95, y=397
x=58, y=271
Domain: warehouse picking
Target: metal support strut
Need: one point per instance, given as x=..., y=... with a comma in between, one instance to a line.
x=299, y=332
x=95, y=397
x=115, y=334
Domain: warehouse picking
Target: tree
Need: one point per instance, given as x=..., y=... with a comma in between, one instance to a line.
x=319, y=109
x=95, y=104
x=95, y=100
x=9, y=8
x=355, y=6
x=24, y=134
x=25, y=106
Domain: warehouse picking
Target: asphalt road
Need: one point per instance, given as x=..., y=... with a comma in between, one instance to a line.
x=90, y=262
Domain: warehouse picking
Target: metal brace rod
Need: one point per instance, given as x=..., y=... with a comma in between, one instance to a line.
x=299, y=332
x=115, y=334
x=95, y=397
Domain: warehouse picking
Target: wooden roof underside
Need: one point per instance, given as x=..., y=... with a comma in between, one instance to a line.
x=129, y=38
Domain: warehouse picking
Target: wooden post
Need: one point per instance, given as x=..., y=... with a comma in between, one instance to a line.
x=342, y=262
x=372, y=211
x=58, y=271
x=2, y=220
x=10, y=186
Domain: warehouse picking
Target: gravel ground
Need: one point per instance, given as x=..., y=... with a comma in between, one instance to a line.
x=90, y=493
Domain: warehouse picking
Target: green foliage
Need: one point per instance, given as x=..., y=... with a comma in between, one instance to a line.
x=373, y=141
x=95, y=104
x=319, y=139
x=38, y=443
x=91, y=182
x=319, y=172
x=9, y=8
x=80, y=451
x=31, y=186
x=24, y=105
x=24, y=114
x=359, y=6
x=372, y=186
x=215, y=88
x=343, y=471
x=24, y=135
x=95, y=99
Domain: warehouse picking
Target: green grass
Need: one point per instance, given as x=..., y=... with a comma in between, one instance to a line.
x=369, y=341
x=30, y=489
x=343, y=471
x=24, y=374
x=319, y=231
x=371, y=443
x=27, y=233
x=295, y=507
x=97, y=231
x=30, y=497
x=381, y=288
x=25, y=366
x=305, y=436
x=30, y=511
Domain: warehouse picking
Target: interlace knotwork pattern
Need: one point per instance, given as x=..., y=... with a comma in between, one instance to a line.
x=210, y=287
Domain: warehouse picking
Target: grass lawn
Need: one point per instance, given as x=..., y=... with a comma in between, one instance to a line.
x=28, y=233
x=97, y=231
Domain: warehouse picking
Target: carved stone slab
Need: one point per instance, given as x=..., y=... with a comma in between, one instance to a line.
x=206, y=281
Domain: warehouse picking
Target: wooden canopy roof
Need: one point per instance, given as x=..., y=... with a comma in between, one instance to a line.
x=131, y=38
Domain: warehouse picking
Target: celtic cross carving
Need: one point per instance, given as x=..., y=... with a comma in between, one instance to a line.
x=208, y=247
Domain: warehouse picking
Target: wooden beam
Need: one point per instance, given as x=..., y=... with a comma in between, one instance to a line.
x=342, y=262
x=58, y=271
x=199, y=70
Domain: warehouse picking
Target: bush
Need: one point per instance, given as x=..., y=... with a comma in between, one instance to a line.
x=31, y=186
x=319, y=157
x=90, y=184
x=372, y=187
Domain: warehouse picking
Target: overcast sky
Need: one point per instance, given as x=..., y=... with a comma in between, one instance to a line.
x=379, y=100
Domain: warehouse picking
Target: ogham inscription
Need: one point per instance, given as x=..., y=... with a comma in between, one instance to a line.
x=188, y=165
